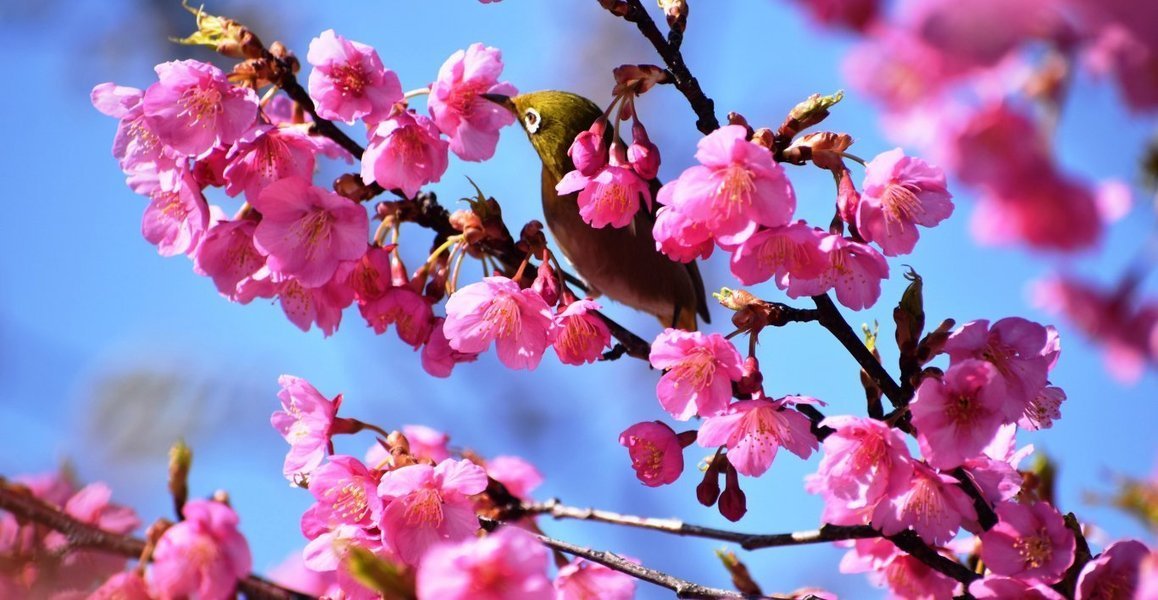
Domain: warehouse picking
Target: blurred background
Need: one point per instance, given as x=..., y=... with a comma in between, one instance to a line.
x=108, y=352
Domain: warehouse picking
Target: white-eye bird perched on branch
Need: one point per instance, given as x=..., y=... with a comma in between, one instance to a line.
x=622, y=263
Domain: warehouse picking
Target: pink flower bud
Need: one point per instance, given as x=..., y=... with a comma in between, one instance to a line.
x=643, y=155
x=656, y=454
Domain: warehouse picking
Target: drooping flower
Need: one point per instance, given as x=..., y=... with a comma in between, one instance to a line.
x=407, y=310
x=1113, y=574
x=426, y=505
x=582, y=336
x=519, y=322
x=699, y=373
x=753, y=430
x=933, y=505
x=1030, y=542
x=306, y=421
x=405, y=152
x=735, y=188
x=854, y=269
x=322, y=306
x=348, y=81
x=177, y=217
x=678, y=237
x=656, y=453
x=582, y=579
x=470, y=121
x=516, y=474
x=265, y=154
x=864, y=462
x=959, y=415
x=194, y=107
x=899, y=193
x=611, y=196
x=1021, y=350
x=203, y=556
x=507, y=564
x=438, y=357
x=781, y=253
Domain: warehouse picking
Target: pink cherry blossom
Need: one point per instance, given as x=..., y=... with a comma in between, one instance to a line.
x=996, y=587
x=855, y=270
x=122, y=586
x=347, y=491
x=1114, y=573
x=426, y=505
x=678, y=237
x=980, y=33
x=1030, y=542
x=735, y=188
x=372, y=275
x=854, y=14
x=1148, y=577
x=306, y=421
x=958, y=415
x=997, y=145
x=1021, y=351
x=426, y=442
x=227, y=255
x=900, y=573
x=505, y=565
x=194, y=107
x=899, y=193
x=306, y=306
x=699, y=371
x=588, y=151
x=582, y=336
x=204, y=555
x=864, y=462
x=331, y=538
x=519, y=322
x=609, y=197
x=406, y=153
x=582, y=579
x=306, y=231
x=438, y=357
x=516, y=474
x=266, y=154
x=896, y=68
x=933, y=506
x=1045, y=407
x=136, y=147
x=656, y=453
x=994, y=471
x=753, y=430
x=407, y=310
x=781, y=253
x=78, y=568
x=1048, y=211
x=176, y=217
x=348, y=81
x=1124, y=54
x=470, y=121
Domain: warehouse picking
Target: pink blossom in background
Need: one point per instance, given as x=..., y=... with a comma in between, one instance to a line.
x=781, y=253
x=995, y=587
x=516, y=474
x=346, y=490
x=507, y=564
x=957, y=416
x=934, y=506
x=470, y=121
x=292, y=573
x=409, y=311
x=699, y=373
x=753, y=430
x=1119, y=52
x=1030, y=542
x=853, y=14
x=266, y=154
x=656, y=453
x=1021, y=350
x=897, y=69
x=227, y=255
x=176, y=217
x=306, y=231
x=899, y=193
x=321, y=306
x=735, y=188
x=438, y=358
x=204, y=555
x=426, y=505
x=79, y=568
x=405, y=152
x=582, y=579
x=982, y=32
x=122, y=586
x=1046, y=211
x=582, y=336
x=611, y=196
x=305, y=421
x=519, y=322
x=864, y=462
x=1114, y=573
x=348, y=81
x=426, y=442
x=855, y=270
x=193, y=107
x=678, y=237
x=996, y=145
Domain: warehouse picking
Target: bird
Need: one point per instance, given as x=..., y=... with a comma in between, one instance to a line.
x=621, y=263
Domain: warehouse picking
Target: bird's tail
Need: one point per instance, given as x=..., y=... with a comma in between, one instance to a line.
x=685, y=318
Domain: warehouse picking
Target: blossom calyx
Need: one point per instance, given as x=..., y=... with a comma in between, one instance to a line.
x=226, y=36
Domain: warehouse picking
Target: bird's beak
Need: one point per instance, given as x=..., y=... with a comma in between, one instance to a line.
x=503, y=101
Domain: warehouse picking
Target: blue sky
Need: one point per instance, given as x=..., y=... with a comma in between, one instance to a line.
x=110, y=352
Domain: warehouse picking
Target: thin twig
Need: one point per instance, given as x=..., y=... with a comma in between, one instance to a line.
x=26, y=507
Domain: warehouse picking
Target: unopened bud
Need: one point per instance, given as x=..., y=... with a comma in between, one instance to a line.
x=546, y=283
x=180, y=461
x=469, y=224
x=733, y=502
x=676, y=12
x=350, y=185
x=637, y=79
x=814, y=109
x=735, y=299
x=764, y=137
x=224, y=35
x=642, y=154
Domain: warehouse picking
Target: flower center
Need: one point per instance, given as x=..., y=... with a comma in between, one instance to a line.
x=614, y=197
x=648, y=459
x=424, y=509
x=900, y=203
x=313, y=229
x=576, y=335
x=1035, y=550
x=698, y=369
x=736, y=188
x=351, y=502
x=502, y=317
x=961, y=409
x=201, y=103
x=350, y=79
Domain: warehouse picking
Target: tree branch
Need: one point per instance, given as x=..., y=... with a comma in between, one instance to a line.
x=25, y=507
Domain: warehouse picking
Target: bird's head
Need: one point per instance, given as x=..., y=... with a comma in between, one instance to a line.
x=551, y=119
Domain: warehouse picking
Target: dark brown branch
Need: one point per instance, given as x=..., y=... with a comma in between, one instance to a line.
x=634, y=12
x=26, y=507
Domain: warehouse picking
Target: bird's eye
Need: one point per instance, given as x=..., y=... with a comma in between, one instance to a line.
x=531, y=120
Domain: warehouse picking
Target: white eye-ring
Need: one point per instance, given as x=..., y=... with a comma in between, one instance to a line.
x=531, y=120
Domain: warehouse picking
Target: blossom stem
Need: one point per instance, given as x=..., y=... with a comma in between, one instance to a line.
x=416, y=93
x=853, y=158
x=25, y=507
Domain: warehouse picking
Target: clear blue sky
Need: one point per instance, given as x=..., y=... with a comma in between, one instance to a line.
x=95, y=325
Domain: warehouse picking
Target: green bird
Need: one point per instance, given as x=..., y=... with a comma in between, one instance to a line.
x=621, y=263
